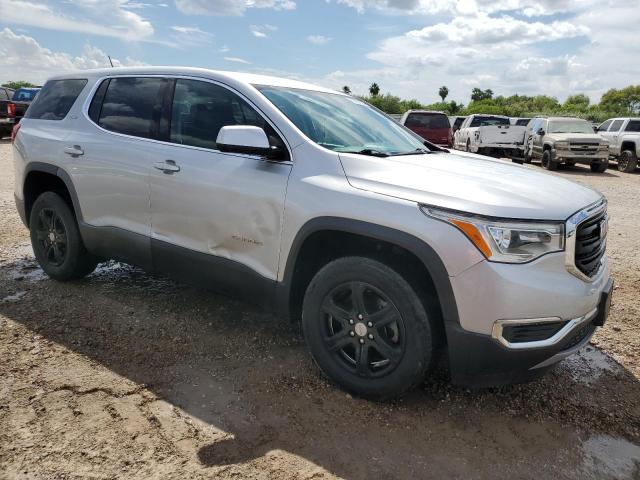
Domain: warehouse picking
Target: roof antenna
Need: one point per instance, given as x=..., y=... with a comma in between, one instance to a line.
x=111, y=62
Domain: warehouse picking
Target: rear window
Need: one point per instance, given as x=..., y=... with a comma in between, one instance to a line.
x=427, y=120
x=24, y=95
x=55, y=99
x=523, y=122
x=133, y=106
x=633, y=126
x=481, y=121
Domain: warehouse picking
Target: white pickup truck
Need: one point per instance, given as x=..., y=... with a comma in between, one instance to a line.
x=490, y=135
x=624, y=141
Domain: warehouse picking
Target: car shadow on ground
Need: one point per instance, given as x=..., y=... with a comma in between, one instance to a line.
x=248, y=374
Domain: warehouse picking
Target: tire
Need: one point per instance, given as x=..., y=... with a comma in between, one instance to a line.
x=599, y=167
x=399, y=350
x=571, y=164
x=56, y=240
x=468, y=149
x=628, y=161
x=547, y=163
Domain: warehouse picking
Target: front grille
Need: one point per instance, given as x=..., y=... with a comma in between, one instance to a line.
x=531, y=332
x=591, y=243
x=584, y=147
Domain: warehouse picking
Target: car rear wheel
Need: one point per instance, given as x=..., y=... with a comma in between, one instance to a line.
x=468, y=146
x=599, y=167
x=628, y=161
x=56, y=240
x=366, y=328
x=547, y=163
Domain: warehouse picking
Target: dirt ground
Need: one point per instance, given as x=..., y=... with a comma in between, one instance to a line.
x=125, y=375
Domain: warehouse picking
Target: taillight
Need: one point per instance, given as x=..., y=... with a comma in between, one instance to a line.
x=14, y=132
x=11, y=109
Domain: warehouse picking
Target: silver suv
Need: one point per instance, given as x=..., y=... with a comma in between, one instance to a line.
x=319, y=207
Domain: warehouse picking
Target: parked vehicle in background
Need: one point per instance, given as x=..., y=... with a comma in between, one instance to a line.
x=316, y=205
x=13, y=107
x=490, y=135
x=430, y=125
x=6, y=122
x=557, y=140
x=623, y=135
x=396, y=116
x=519, y=121
x=456, y=122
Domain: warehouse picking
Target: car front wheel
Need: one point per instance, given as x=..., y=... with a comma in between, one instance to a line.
x=628, y=161
x=547, y=162
x=366, y=328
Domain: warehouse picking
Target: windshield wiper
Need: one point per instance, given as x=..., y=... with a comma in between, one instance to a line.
x=417, y=151
x=371, y=152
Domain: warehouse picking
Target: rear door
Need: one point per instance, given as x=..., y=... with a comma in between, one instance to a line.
x=110, y=159
x=216, y=215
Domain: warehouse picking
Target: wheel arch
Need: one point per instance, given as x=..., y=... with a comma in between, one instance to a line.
x=628, y=145
x=315, y=233
x=41, y=177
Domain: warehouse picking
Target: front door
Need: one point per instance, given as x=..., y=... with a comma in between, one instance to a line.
x=216, y=216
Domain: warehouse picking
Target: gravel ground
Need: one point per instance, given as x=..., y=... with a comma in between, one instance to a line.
x=125, y=375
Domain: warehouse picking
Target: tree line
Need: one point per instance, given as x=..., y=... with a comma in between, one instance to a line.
x=614, y=103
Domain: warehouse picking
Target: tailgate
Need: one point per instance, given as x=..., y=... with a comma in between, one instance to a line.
x=3, y=108
x=21, y=108
x=502, y=134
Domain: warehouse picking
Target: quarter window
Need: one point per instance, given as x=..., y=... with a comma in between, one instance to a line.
x=201, y=109
x=615, y=126
x=55, y=99
x=133, y=106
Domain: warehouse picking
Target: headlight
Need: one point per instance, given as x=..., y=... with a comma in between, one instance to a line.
x=562, y=145
x=508, y=241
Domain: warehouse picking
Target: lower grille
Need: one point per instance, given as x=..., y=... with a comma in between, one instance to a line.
x=579, y=336
x=591, y=243
x=531, y=332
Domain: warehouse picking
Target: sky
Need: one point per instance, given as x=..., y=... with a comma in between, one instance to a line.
x=409, y=47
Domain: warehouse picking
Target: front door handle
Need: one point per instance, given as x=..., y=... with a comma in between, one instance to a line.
x=168, y=166
x=74, y=151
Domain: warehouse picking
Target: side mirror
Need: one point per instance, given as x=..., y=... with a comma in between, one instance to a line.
x=540, y=131
x=246, y=139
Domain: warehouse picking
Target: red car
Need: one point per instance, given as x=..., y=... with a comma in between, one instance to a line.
x=432, y=126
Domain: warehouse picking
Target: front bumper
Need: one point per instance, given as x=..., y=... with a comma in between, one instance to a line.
x=489, y=295
x=579, y=157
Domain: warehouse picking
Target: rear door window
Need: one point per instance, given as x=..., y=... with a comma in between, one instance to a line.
x=633, y=126
x=200, y=109
x=55, y=99
x=133, y=106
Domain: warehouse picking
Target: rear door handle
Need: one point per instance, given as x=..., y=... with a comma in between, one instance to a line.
x=74, y=151
x=168, y=166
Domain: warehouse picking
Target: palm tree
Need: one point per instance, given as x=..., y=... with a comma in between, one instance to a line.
x=374, y=89
x=443, y=92
x=346, y=90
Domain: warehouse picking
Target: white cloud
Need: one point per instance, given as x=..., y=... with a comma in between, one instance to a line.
x=318, y=39
x=262, y=31
x=230, y=7
x=23, y=58
x=237, y=60
x=190, y=36
x=97, y=17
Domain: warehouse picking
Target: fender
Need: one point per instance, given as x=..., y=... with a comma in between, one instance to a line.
x=419, y=248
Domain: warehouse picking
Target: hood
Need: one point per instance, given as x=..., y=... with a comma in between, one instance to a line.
x=469, y=183
x=576, y=137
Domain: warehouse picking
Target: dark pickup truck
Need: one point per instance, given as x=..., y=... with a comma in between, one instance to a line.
x=13, y=105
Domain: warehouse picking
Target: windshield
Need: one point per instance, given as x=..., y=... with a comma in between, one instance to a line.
x=342, y=123
x=22, y=95
x=427, y=120
x=570, y=126
x=480, y=121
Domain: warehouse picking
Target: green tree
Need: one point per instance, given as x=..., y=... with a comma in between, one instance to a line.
x=374, y=89
x=576, y=103
x=626, y=100
x=346, y=90
x=443, y=92
x=478, y=94
x=14, y=85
